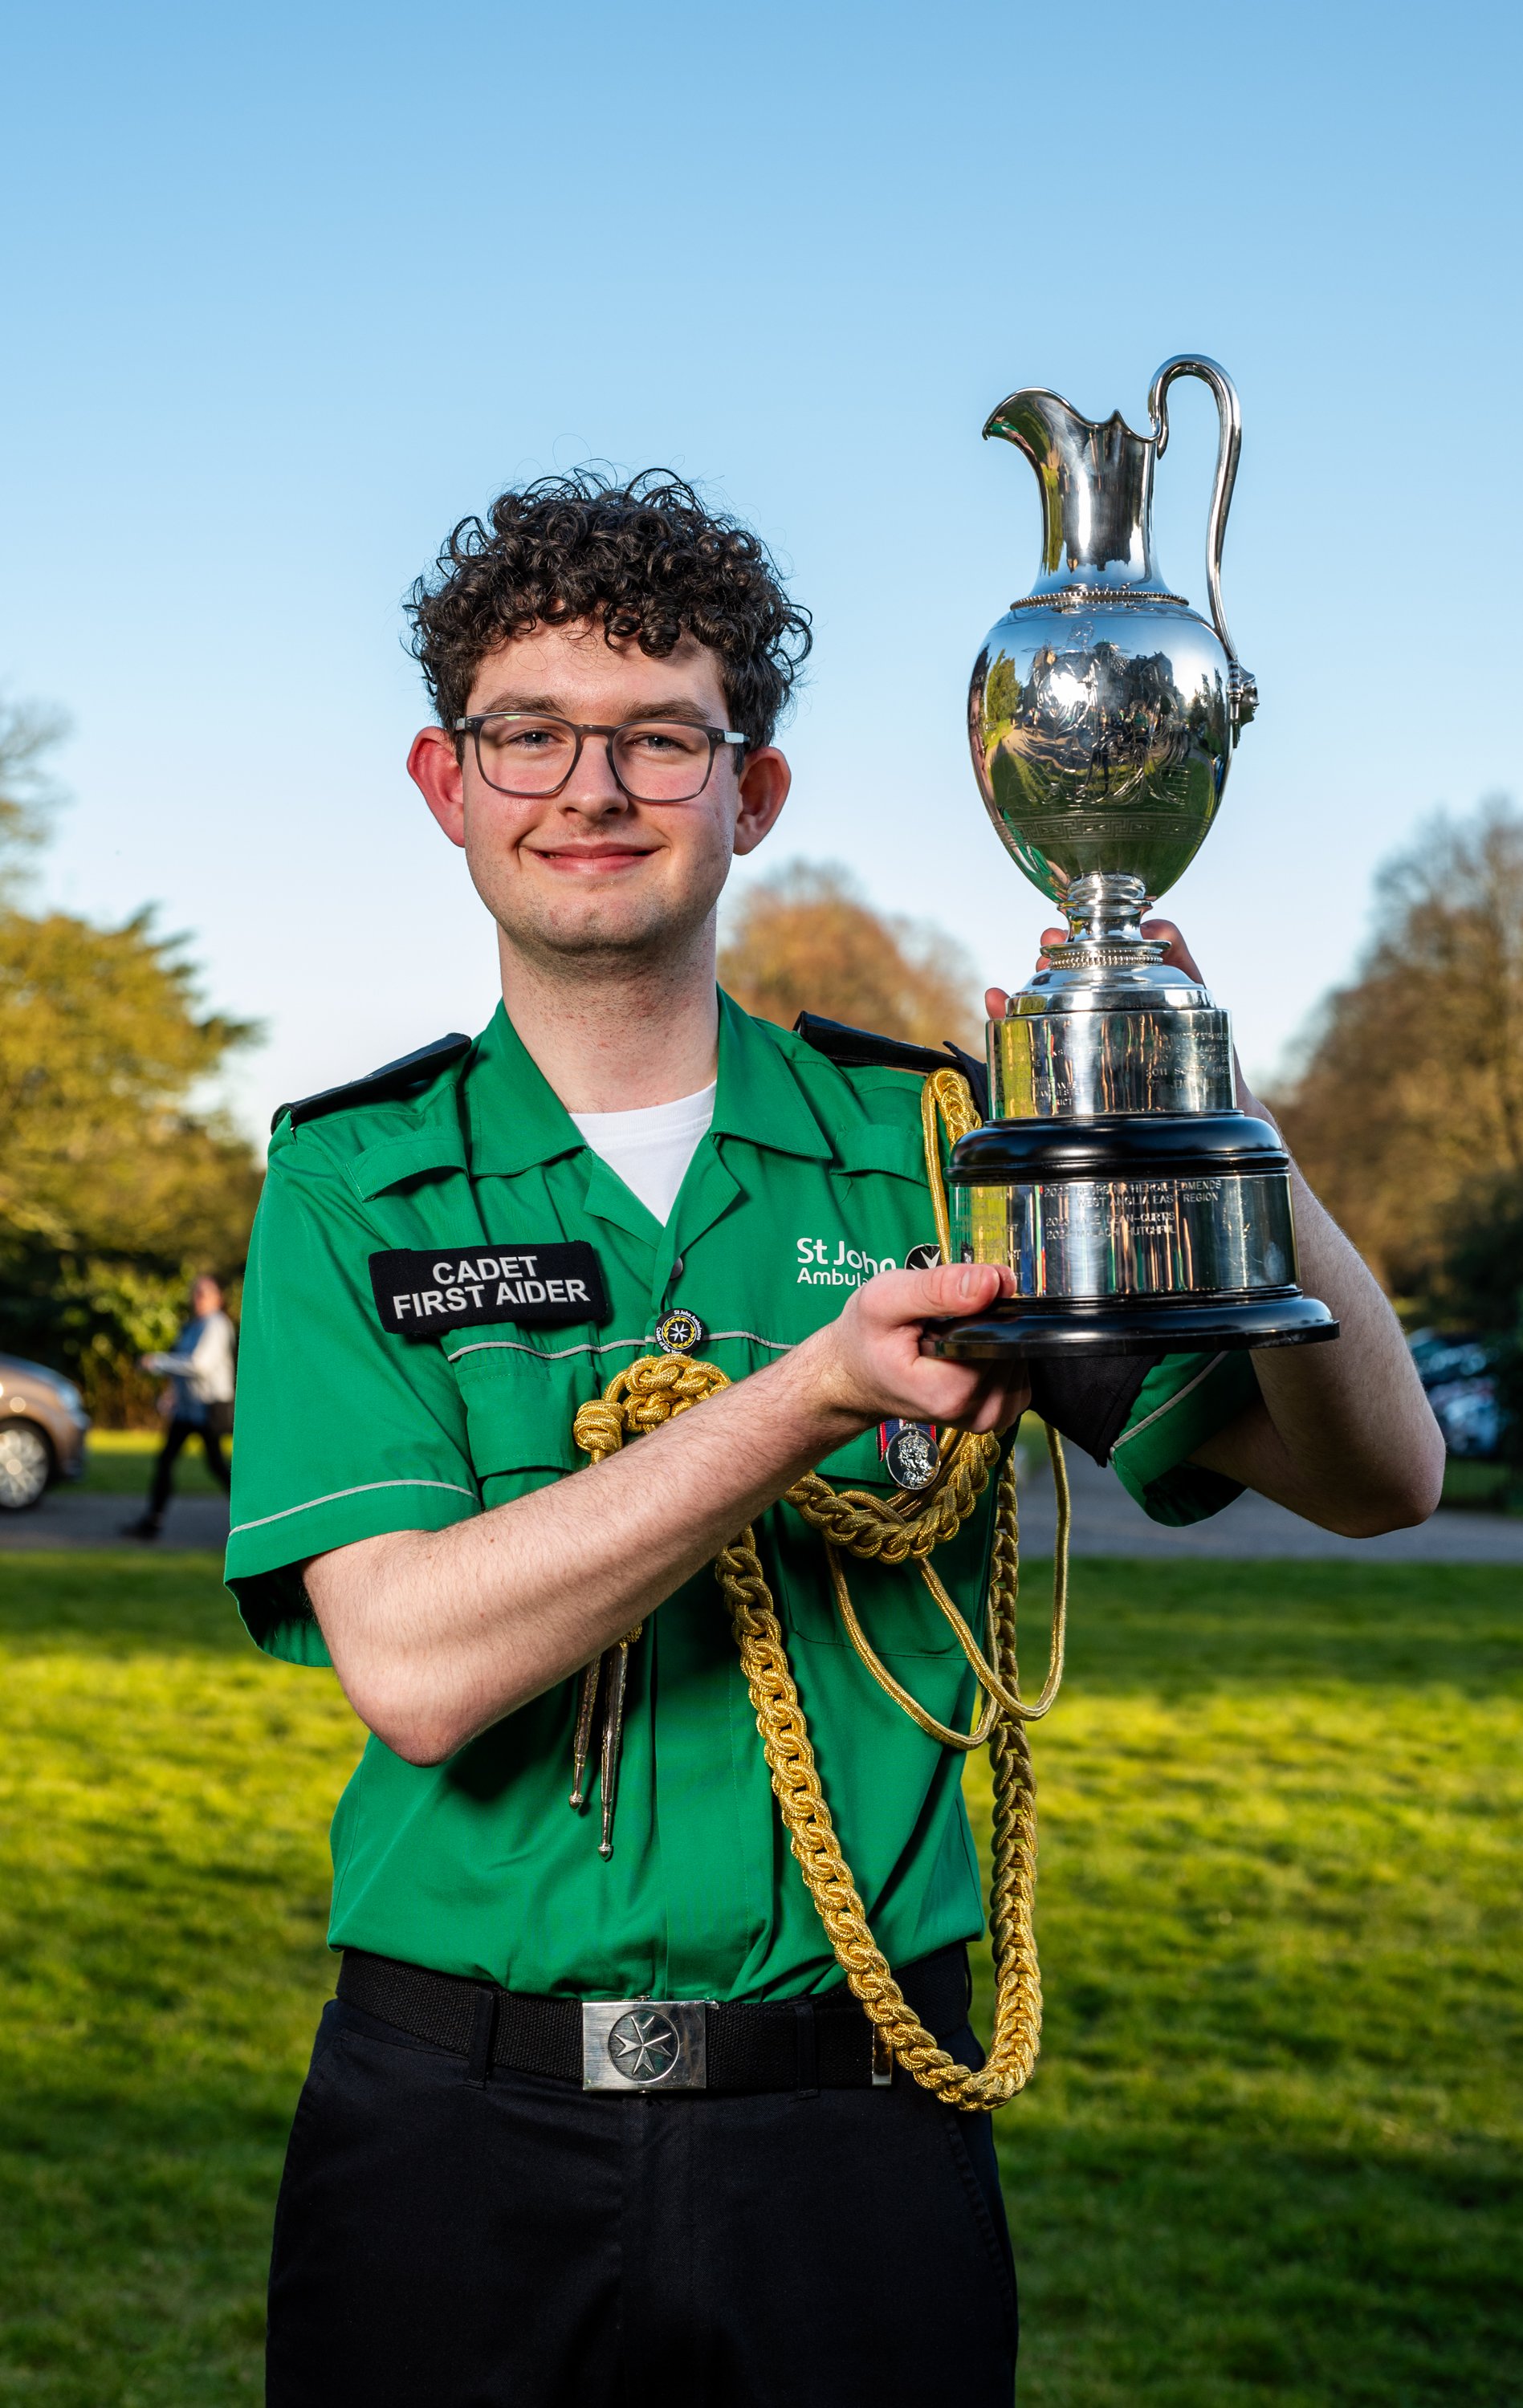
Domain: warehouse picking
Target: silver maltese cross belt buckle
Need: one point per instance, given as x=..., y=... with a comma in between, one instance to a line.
x=643, y=2044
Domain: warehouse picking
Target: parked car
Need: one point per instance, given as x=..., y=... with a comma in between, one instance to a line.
x=42, y=1432
x=1457, y=1373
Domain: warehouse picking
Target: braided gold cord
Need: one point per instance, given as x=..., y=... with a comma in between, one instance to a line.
x=649, y=1393
x=641, y=1397
x=892, y=1533
x=796, y=1784
x=965, y=1742
x=947, y=1094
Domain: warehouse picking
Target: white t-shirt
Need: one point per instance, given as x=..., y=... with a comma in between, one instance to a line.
x=651, y=1148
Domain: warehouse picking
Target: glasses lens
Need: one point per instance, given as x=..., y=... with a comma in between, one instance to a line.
x=662, y=760
x=522, y=755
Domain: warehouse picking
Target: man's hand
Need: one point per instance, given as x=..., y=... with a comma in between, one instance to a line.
x=871, y=1365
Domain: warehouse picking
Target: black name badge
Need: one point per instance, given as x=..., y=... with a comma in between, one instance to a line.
x=420, y=1295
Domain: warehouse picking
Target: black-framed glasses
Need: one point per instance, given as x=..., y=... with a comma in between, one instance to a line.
x=654, y=760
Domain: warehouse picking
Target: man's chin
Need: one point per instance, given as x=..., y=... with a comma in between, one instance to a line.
x=599, y=929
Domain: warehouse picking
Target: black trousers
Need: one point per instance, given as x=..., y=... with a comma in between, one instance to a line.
x=164, y=1466
x=444, y=2244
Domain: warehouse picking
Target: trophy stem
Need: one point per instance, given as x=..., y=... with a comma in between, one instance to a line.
x=1104, y=912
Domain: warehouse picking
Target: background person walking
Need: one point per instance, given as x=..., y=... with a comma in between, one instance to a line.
x=201, y=1366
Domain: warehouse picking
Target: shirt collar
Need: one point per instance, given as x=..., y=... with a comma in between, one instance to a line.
x=517, y=1119
x=516, y=1116
x=758, y=1098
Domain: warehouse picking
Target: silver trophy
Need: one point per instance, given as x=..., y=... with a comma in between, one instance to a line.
x=1139, y=1209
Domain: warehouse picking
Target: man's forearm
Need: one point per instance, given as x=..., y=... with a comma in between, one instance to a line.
x=1345, y=1434
x=437, y=1635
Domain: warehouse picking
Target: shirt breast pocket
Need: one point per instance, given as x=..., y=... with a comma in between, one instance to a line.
x=520, y=1407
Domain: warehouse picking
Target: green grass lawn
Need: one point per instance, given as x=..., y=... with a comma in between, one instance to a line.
x=1270, y=2150
x=118, y=1463
x=1272, y=2147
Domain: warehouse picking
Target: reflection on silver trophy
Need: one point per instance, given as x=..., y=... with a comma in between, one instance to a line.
x=1139, y=1209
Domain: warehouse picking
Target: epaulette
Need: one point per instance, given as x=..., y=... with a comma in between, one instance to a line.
x=391, y=1083
x=862, y=1049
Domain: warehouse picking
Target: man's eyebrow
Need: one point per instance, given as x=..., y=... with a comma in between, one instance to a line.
x=542, y=705
x=682, y=707
x=549, y=706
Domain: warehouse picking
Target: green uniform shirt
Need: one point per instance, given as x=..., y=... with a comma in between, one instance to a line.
x=809, y=1179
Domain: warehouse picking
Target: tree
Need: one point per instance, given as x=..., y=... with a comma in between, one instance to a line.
x=113, y=1185
x=1409, y=1101
x=806, y=939
x=100, y=1043
x=28, y=732
x=1479, y=1286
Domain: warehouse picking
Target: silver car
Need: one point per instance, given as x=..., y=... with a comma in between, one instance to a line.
x=42, y=1432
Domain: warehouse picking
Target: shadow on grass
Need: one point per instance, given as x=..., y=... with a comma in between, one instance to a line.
x=119, y=1603
x=137, y=2222
x=1184, y=1628
x=1213, y=2268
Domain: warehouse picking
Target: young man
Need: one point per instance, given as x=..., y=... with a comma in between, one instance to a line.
x=451, y=1259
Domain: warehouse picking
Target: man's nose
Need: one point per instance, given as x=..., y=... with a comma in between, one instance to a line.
x=592, y=786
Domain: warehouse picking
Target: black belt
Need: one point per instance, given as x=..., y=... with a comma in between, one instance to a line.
x=819, y=2043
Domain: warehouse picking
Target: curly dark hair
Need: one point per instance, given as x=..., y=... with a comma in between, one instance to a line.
x=645, y=557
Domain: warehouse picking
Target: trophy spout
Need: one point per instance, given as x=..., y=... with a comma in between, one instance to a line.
x=1097, y=488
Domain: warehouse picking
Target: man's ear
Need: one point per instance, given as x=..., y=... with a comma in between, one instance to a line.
x=434, y=765
x=764, y=785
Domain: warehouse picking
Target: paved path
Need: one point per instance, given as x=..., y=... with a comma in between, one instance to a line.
x=68, y=1517
x=1105, y=1523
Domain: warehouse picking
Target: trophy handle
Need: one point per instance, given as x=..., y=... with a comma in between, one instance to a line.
x=1244, y=692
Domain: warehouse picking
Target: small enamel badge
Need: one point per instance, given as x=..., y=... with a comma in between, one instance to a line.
x=923, y=1259
x=679, y=1331
x=909, y=1452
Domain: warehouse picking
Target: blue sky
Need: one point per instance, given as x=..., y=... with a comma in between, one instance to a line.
x=289, y=291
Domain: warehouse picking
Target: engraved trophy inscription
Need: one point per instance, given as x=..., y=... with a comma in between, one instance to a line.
x=1140, y=1210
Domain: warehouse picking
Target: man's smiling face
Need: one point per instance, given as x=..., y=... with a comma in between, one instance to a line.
x=589, y=871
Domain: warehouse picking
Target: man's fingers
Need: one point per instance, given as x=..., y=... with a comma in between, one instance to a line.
x=995, y=1000
x=1167, y=932
x=966, y=1287
x=945, y=1290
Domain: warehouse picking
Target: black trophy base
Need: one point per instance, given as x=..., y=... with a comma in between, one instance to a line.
x=1132, y=1325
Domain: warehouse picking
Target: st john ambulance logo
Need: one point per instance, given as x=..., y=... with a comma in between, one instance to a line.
x=830, y=1262
x=643, y=2045
x=679, y=1331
